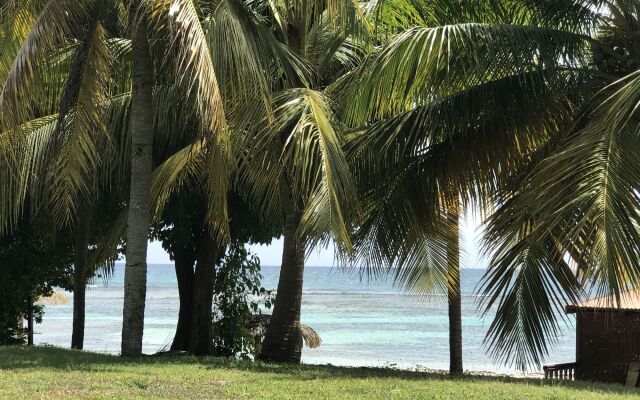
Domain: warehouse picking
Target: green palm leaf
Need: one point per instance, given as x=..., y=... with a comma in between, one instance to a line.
x=422, y=64
x=58, y=20
x=302, y=149
x=81, y=126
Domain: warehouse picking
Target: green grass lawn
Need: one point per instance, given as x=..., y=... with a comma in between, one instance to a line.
x=50, y=373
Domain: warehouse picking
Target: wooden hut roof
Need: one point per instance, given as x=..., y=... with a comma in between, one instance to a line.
x=629, y=301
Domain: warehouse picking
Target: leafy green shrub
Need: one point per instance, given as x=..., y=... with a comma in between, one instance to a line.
x=237, y=297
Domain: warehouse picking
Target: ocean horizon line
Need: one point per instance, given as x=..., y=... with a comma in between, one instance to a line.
x=122, y=263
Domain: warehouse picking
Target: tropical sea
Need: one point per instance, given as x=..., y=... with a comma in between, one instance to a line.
x=361, y=323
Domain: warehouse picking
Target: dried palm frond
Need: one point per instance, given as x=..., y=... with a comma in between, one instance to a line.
x=258, y=324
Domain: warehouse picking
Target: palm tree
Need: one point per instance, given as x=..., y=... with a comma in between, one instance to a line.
x=135, y=276
x=240, y=60
x=58, y=156
x=295, y=166
x=454, y=293
x=50, y=26
x=55, y=25
x=461, y=100
x=202, y=28
x=567, y=221
x=312, y=184
x=536, y=125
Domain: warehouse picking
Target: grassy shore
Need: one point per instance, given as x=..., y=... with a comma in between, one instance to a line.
x=50, y=373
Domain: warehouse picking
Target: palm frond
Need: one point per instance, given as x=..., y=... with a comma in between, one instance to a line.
x=17, y=18
x=579, y=16
x=529, y=284
x=579, y=204
x=247, y=58
x=422, y=64
x=81, y=126
x=58, y=21
x=302, y=150
x=186, y=166
x=103, y=257
x=22, y=173
x=190, y=52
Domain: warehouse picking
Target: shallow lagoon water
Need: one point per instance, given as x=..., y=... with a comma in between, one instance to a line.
x=361, y=323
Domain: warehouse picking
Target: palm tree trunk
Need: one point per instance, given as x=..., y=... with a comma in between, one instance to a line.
x=184, y=274
x=135, y=278
x=201, y=331
x=454, y=295
x=283, y=341
x=80, y=279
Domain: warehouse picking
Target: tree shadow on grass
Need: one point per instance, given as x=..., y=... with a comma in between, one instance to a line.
x=23, y=357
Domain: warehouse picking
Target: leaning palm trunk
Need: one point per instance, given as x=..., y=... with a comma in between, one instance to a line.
x=135, y=277
x=283, y=342
x=80, y=279
x=454, y=294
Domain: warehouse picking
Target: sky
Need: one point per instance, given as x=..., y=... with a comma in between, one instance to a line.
x=471, y=233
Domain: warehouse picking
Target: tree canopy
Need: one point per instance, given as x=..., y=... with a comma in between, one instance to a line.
x=371, y=124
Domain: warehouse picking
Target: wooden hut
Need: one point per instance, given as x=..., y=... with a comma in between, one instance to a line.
x=607, y=340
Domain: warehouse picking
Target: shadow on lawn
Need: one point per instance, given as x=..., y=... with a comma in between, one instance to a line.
x=23, y=357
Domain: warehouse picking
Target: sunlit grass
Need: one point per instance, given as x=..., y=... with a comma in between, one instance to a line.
x=50, y=373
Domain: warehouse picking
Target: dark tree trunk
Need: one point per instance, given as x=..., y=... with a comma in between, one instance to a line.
x=283, y=340
x=30, y=322
x=201, y=331
x=455, y=296
x=80, y=279
x=184, y=274
x=135, y=278
x=21, y=330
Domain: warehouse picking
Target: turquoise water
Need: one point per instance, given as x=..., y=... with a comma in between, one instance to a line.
x=361, y=323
